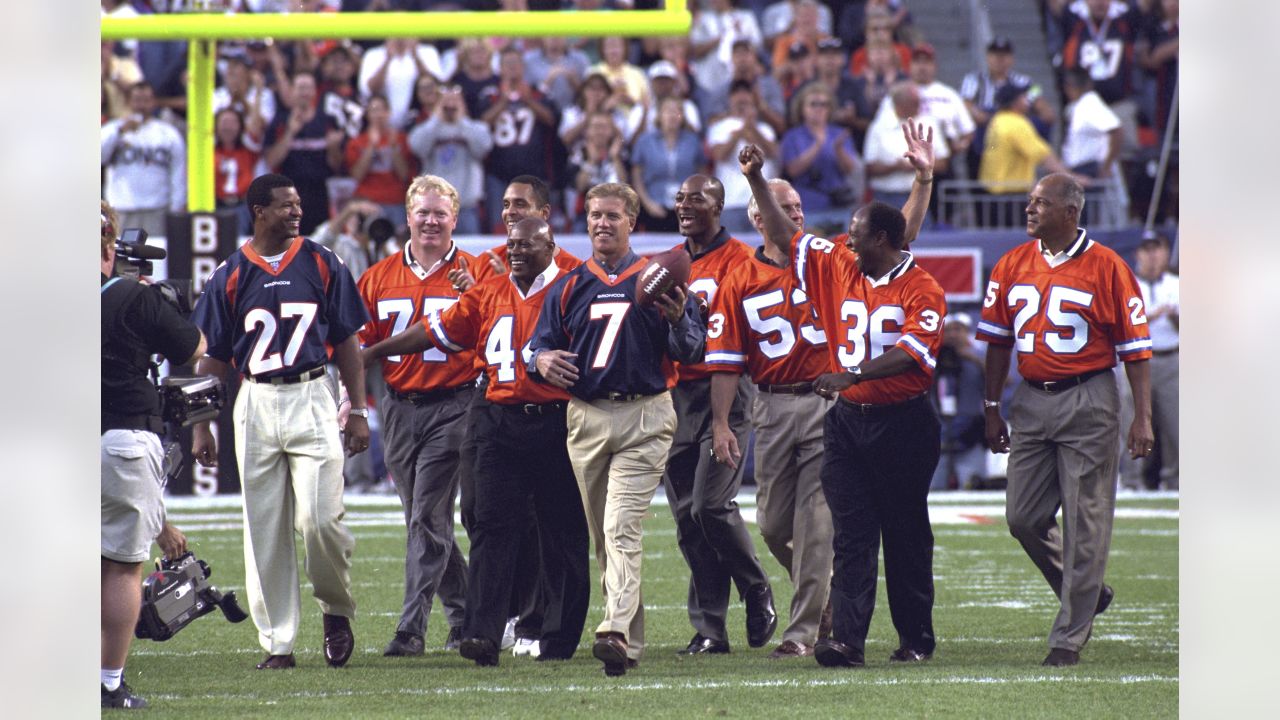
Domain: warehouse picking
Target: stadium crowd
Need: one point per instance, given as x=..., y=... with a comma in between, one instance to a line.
x=820, y=86
x=778, y=119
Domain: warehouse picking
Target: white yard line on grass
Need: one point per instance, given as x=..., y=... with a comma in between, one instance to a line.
x=844, y=680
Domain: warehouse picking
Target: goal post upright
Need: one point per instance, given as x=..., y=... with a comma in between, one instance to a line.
x=202, y=30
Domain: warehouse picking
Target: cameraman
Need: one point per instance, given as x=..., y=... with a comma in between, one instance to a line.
x=136, y=322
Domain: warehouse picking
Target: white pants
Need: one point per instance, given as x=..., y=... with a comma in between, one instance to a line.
x=290, y=458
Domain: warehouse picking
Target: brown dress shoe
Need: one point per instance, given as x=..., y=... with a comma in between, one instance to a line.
x=339, y=641
x=789, y=649
x=1059, y=657
x=277, y=662
x=611, y=649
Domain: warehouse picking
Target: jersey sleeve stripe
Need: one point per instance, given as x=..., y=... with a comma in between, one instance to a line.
x=991, y=328
x=1134, y=347
x=725, y=358
x=437, y=331
x=802, y=252
x=917, y=348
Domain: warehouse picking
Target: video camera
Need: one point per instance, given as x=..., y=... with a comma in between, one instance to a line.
x=134, y=255
x=179, y=592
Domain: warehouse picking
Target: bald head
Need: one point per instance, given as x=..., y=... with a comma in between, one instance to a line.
x=906, y=99
x=1064, y=188
x=699, y=202
x=531, y=227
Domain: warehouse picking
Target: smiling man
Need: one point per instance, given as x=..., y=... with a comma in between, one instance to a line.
x=273, y=310
x=521, y=456
x=614, y=356
x=702, y=491
x=427, y=398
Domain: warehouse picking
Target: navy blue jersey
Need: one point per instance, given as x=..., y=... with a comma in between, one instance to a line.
x=284, y=321
x=621, y=346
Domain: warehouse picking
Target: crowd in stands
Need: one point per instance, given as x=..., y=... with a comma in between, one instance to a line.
x=821, y=86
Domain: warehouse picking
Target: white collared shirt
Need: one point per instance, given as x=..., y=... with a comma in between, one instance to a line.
x=543, y=279
x=416, y=267
x=1073, y=250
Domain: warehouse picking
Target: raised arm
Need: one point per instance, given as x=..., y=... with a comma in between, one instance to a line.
x=778, y=228
x=920, y=154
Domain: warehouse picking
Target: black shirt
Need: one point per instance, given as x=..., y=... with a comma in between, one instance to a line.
x=151, y=323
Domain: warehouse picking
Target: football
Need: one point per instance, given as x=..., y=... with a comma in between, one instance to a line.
x=664, y=271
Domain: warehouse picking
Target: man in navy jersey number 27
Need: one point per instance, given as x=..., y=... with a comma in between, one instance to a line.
x=614, y=356
x=272, y=310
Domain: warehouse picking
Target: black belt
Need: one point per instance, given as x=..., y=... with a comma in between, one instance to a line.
x=622, y=397
x=422, y=398
x=536, y=408
x=1065, y=383
x=301, y=377
x=150, y=423
x=1162, y=353
x=876, y=409
x=800, y=388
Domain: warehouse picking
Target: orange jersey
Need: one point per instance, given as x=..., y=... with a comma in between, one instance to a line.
x=865, y=317
x=497, y=322
x=396, y=297
x=482, y=270
x=1066, y=320
x=761, y=323
x=705, y=275
x=233, y=170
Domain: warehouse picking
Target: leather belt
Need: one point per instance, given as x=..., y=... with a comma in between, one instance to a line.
x=150, y=423
x=301, y=377
x=1162, y=353
x=430, y=396
x=621, y=396
x=800, y=388
x=877, y=409
x=1052, y=386
x=536, y=408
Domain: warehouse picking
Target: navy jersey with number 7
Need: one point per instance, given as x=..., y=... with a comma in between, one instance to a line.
x=621, y=346
x=279, y=321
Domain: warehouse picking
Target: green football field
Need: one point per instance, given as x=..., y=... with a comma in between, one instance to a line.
x=992, y=615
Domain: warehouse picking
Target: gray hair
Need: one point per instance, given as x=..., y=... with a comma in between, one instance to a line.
x=753, y=207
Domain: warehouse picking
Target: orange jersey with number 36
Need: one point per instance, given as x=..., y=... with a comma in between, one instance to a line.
x=865, y=317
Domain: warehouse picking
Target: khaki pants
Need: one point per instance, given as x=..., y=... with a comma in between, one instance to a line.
x=792, y=510
x=1062, y=454
x=290, y=459
x=619, y=451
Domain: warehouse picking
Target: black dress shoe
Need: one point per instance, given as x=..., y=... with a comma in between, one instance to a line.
x=762, y=619
x=404, y=645
x=833, y=653
x=339, y=641
x=481, y=650
x=277, y=662
x=1059, y=657
x=909, y=655
x=611, y=649
x=1104, y=599
x=702, y=645
x=453, y=641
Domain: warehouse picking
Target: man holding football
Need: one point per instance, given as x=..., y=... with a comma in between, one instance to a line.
x=614, y=353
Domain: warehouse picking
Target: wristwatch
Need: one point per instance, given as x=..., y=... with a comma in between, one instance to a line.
x=856, y=372
x=362, y=412
x=988, y=404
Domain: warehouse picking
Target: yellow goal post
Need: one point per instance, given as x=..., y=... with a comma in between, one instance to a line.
x=203, y=29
